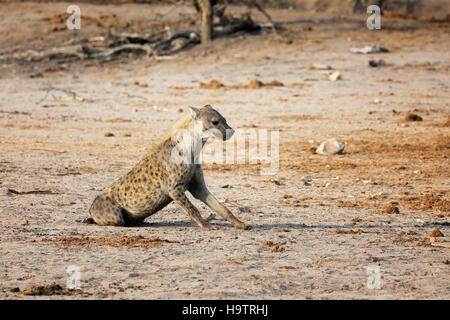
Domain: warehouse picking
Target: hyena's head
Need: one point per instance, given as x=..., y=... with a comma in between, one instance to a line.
x=212, y=123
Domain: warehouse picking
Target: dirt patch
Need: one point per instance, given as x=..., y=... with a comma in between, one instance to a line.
x=436, y=233
x=440, y=124
x=391, y=208
x=47, y=290
x=428, y=202
x=287, y=267
x=116, y=120
x=350, y=231
x=296, y=117
x=253, y=84
x=136, y=241
x=213, y=84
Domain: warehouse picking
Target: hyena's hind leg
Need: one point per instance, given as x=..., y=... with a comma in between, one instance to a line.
x=105, y=211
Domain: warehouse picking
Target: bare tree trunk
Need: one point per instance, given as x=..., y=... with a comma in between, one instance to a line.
x=207, y=19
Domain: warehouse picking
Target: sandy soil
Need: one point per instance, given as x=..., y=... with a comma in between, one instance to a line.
x=331, y=216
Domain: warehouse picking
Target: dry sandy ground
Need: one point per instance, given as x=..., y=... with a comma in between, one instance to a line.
x=330, y=229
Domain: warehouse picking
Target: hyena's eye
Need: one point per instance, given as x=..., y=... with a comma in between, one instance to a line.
x=215, y=122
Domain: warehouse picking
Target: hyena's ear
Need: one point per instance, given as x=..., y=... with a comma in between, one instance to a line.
x=208, y=106
x=194, y=112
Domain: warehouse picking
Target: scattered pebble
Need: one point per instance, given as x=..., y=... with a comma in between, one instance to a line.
x=335, y=76
x=369, y=49
x=245, y=209
x=267, y=243
x=330, y=146
x=276, y=248
x=109, y=134
x=413, y=117
x=376, y=63
x=36, y=75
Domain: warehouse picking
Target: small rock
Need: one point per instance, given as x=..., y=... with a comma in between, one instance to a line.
x=335, y=76
x=159, y=108
x=420, y=221
x=276, y=248
x=278, y=183
x=413, y=117
x=418, y=171
x=376, y=63
x=267, y=243
x=369, y=49
x=109, y=134
x=134, y=110
x=245, y=209
x=331, y=146
x=36, y=75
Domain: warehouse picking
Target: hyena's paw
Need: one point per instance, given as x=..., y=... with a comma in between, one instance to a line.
x=208, y=227
x=244, y=226
x=212, y=216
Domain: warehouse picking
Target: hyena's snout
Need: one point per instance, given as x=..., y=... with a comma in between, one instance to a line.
x=229, y=131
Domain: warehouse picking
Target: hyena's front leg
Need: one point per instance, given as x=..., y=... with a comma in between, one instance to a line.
x=198, y=189
x=180, y=198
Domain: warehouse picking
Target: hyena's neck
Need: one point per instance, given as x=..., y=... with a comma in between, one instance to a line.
x=189, y=143
x=195, y=129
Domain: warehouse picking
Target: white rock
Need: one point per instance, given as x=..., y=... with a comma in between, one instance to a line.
x=331, y=146
x=335, y=76
x=369, y=49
